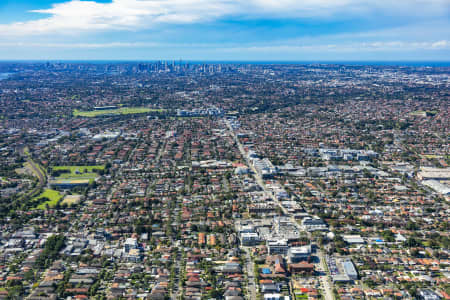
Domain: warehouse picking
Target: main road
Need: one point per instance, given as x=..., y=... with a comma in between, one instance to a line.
x=251, y=288
x=324, y=278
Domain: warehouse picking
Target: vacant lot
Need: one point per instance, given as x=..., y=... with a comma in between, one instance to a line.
x=71, y=200
x=118, y=111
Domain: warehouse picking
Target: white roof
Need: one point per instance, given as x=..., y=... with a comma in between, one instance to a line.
x=353, y=239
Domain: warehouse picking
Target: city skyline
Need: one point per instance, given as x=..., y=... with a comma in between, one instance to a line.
x=352, y=30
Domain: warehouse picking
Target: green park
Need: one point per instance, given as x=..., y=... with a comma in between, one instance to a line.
x=116, y=111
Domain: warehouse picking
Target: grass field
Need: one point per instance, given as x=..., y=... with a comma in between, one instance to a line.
x=25, y=170
x=26, y=151
x=81, y=169
x=431, y=156
x=89, y=176
x=422, y=112
x=52, y=195
x=79, y=172
x=118, y=111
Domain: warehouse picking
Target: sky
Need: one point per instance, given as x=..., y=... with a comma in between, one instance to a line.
x=220, y=30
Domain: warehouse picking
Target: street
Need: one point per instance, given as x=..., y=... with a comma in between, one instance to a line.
x=327, y=288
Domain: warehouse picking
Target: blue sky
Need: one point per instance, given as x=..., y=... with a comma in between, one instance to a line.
x=301, y=30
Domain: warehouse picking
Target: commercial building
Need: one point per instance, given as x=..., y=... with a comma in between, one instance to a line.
x=277, y=247
x=353, y=239
x=249, y=238
x=313, y=224
x=298, y=254
x=350, y=270
x=428, y=295
x=434, y=173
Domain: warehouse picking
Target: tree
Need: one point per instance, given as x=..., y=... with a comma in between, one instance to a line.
x=51, y=248
x=29, y=275
x=411, y=225
x=388, y=235
x=412, y=242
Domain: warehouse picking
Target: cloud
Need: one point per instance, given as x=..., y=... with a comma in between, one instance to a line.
x=82, y=45
x=77, y=16
x=345, y=47
x=441, y=45
x=87, y=16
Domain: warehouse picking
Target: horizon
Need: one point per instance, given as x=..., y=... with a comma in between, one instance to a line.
x=395, y=63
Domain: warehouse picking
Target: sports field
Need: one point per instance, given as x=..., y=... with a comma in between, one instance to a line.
x=74, y=170
x=118, y=111
x=79, y=172
x=423, y=112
